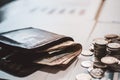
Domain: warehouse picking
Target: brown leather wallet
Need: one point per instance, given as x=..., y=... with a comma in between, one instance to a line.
x=28, y=46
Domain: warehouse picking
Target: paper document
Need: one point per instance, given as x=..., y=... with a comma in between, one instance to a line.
x=110, y=11
x=83, y=9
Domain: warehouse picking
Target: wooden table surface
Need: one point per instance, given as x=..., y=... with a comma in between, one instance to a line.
x=82, y=32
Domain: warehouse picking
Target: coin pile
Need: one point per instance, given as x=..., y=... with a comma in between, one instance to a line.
x=99, y=46
x=112, y=38
x=107, y=52
x=106, y=56
x=96, y=73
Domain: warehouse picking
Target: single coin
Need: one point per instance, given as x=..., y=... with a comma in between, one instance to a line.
x=94, y=40
x=97, y=73
x=109, y=60
x=86, y=53
x=86, y=64
x=101, y=42
x=83, y=76
x=114, y=45
x=111, y=36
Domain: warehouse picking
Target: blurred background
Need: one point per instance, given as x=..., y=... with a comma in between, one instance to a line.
x=81, y=19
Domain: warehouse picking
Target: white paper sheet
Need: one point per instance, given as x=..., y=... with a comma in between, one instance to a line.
x=110, y=11
x=83, y=9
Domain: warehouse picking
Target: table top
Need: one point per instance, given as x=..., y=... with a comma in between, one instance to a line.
x=82, y=32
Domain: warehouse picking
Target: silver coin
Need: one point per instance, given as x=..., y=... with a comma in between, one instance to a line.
x=114, y=45
x=86, y=64
x=100, y=41
x=97, y=73
x=94, y=40
x=83, y=76
x=109, y=60
x=86, y=53
x=111, y=36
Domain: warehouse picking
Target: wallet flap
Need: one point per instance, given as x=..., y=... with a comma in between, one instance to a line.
x=29, y=38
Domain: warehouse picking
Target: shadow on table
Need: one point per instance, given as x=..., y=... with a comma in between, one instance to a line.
x=20, y=70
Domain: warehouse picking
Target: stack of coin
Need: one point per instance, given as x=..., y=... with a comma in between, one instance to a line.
x=100, y=48
x=106, y=54
x=112, y=63
x=111, y=37
x=113, y=49
x=99, y=52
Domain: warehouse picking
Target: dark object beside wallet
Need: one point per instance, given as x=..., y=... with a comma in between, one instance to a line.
x=22, y=51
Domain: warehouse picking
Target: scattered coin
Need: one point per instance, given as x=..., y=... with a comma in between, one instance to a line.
x=83, y=76
x=111, y=36
x=109, y=60
x=86, y=53
x=97, y=73
x=86, y=64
